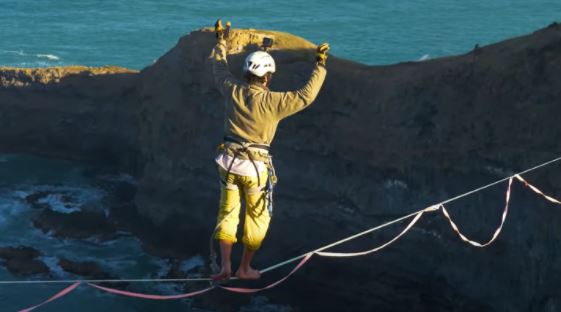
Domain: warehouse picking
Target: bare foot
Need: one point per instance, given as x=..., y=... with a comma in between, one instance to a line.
x=248, y=274
x=224, y=274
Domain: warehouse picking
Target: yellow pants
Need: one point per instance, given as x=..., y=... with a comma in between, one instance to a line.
x=257, y=217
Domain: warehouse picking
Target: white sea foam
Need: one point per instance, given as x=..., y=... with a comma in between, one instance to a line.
x=33, y=64
x=8, y=209
x=21, y=53
x=47, y=56
x=163, y=267
x=57, y=204
x=424, y=57
x=77, y=197
x=51, y=57
x=21, y=194
x=52, y=263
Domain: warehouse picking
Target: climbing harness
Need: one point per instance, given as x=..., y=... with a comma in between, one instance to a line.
x=240, y=150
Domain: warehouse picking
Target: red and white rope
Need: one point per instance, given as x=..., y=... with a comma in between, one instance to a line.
x=60, y=294
x=497, y=232
x=535, y=189
x=363, y=253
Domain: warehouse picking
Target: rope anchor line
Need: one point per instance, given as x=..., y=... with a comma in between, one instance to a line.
x=320, y=251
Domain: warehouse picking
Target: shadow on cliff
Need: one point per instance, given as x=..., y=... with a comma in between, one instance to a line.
x=72, y=113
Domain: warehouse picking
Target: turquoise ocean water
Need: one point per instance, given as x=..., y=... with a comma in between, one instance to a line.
x=134, y=33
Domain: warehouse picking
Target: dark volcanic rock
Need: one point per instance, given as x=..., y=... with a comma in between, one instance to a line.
x=19, y=252
x=23, y=260
x=80, y=225
x=88, y=269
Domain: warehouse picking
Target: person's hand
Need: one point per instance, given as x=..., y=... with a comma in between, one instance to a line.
x=221, y=32
x=321, y=53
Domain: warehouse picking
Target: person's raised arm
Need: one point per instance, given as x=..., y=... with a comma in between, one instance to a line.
x=289, y=103
x=220, y=69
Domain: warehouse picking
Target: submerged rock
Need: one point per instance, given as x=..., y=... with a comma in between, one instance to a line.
x=23, y=260
x=90, y=270
x=37, y=200
x=79, y=225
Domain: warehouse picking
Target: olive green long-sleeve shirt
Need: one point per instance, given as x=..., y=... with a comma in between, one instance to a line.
x=252, y=112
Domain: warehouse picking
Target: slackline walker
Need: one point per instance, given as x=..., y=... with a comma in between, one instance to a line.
x=304, y=257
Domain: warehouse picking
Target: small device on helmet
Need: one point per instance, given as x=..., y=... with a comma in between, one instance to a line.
x=267, y=43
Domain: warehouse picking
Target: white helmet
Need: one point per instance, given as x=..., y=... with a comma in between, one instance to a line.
x=259, y=63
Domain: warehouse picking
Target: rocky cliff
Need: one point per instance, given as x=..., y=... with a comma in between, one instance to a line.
x=379, y=142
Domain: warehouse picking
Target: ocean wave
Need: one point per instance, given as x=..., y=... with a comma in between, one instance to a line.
x=24, y=59
x=57, y=203
x=424, y=57
x=8, y=209
x=66, y=199
x=20, y=53
x=51, y=57
x=164, y=265
x=31, y=64
x=20, y=194
x=52, y=263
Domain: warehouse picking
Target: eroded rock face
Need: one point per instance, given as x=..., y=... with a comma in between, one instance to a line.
x=22, y=77
x=70, y=112
x=379, y=142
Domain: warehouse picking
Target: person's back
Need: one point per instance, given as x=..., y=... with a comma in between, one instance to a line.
x=252, y=114
x=252, y=111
